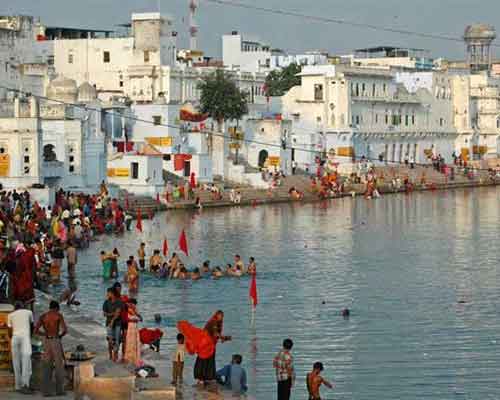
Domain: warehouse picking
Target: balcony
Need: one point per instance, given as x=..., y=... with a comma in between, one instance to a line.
x=52, y=169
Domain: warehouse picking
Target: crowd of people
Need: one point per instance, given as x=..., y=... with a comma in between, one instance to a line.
x=36, y=242
x=162, y=267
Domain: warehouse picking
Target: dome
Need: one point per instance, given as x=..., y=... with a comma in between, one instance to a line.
x=62, y=89
x=86, y=93
x=480, y=32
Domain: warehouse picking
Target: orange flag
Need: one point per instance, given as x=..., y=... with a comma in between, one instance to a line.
x=253, y=291
x=165, y=247
x=183, y=243
x=139, y=220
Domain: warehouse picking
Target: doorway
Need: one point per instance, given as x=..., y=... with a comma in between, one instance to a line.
x=135, y=170
x=187, y=168
x=263, y=155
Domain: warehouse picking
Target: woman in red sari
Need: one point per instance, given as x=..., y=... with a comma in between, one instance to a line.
x=203, y=342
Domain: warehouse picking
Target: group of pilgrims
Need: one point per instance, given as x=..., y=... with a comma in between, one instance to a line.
x=161, y=267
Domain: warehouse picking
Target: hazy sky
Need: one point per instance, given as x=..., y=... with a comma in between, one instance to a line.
x=447, y=17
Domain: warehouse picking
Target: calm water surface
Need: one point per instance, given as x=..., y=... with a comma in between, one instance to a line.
x=420, y=274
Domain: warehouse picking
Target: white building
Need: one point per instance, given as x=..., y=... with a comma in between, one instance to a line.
x=138, y=173
x=53, y=143
x=251, y=55
x=477, y=115
x=21, y=64
x=269, y=143
x=373, y=112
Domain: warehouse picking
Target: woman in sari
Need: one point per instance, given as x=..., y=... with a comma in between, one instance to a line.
x=133, y=348
x=203, y=342
x=107, y=265
x=132, y=277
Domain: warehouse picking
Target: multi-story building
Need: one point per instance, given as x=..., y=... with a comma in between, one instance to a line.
x=245, y=54
x=53, y=143
x=371, y=112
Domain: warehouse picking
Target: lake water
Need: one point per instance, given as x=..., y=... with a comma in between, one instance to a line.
x=419, y=273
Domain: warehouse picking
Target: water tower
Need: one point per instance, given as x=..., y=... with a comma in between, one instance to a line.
x=478, y=38
x=193, y=28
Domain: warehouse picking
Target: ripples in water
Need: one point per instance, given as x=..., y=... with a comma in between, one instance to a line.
x=418, y=272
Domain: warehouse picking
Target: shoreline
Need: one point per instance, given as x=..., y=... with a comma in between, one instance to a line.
x=312, y=198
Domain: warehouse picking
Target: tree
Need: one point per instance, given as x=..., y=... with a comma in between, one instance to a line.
x=221, y=99
x=278, y=82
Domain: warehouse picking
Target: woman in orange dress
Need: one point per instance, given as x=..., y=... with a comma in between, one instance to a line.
x=203, y=342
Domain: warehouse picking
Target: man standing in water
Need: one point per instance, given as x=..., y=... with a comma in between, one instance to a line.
x=52, y=326
x=315, y=380
x=141, y=253
x=285, y=373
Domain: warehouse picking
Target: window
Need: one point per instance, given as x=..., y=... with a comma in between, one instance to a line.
x=167, y=157
x=71, y=168
x=157, y=119
x=407, y=120
x=318, y=92
x=70, y=58
x=376, y=118
x=357, y=89
x=498, y=127
x=27, y=159
x=363, y=88
x=441, y=121
x=357, y=119
x=121, y=83
x=386, y=119
x=384, y=87
x=106, y=57
x=374, y=90
x=413, y=119
x=146, y=56
x=2, y=150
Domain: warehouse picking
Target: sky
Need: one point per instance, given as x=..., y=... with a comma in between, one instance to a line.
x=446, y=17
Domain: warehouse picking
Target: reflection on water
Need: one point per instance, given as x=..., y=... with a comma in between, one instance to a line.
x=418, y=272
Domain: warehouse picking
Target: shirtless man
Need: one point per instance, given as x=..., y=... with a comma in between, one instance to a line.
x=51, y=325
x=155, y=261
x=238, y=263
x=141, y=253
x=315, y=380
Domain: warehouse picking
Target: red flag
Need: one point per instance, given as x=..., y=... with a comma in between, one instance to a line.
x=183, y=243
x=165, y=247
x=139, y=220
x=253, y=291
x=158, y=198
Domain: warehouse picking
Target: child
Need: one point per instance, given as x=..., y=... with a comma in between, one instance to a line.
x=178, y=360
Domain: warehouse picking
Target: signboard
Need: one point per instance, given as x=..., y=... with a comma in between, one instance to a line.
x=165, y=141
x=122, y=172
x=235, y=133
x=234, y=146
x=118, y=172
x=479, y=149
x=345, y=151
x=273, y=161
x=4, y=165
